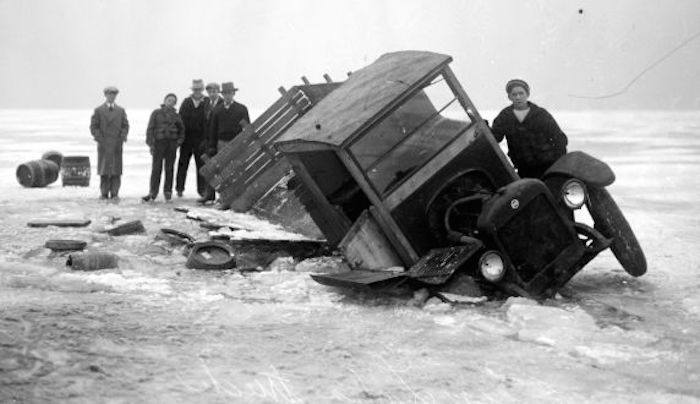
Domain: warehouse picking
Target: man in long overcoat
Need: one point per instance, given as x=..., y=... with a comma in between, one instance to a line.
x=109, y=128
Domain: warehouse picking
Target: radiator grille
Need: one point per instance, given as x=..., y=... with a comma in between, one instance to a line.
x=534, y=237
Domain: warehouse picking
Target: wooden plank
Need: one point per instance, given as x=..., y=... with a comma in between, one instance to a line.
x=481, y=126
x=365, y=246
x=367, y=96
x=425, y=173
x=333, y=224
x=305, y=80
x=274, y=129
x=290, y=99
x=253, y=172
x=361, y=279
x=237, y=165
x=316, y=92
x=244, y=162
x=391, y=229
x=231, y=169
x=462, y=96
x=256, y=190
x=280, y=103
x=217, y=163
x=327, y=78
x=58, y=222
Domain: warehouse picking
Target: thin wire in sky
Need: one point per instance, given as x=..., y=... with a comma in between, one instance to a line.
x=642, y=73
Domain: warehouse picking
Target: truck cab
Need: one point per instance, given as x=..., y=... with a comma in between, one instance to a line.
x=401, y=173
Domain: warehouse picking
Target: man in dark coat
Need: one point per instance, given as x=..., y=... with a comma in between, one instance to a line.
x=193, y=114
x=225, y=125
x=215, y=100
x=109, y=128
x=165, y=133
x=213, y=90
x=226, y=119
x=535, y=141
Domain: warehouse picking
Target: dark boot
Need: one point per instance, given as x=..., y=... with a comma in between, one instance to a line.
x=207, y=197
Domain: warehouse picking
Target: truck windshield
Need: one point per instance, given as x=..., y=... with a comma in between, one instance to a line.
x=410, y=136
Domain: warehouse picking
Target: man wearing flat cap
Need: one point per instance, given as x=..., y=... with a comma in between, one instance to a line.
x=109, y=128
x=535, y=140
x=193, y=113
x=226, y=124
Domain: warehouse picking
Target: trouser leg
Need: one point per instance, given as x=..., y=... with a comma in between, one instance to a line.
x=156, y=168
x=209, y=193
x=199, y=162
x=169, y=156
x=104, y=186
x=116, y=183
x=183, y=164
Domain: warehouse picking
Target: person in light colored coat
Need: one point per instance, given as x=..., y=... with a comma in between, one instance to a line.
x=109, y=127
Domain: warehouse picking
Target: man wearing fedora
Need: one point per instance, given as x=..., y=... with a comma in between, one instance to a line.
x=193, y=113
x=224, y=126
x=213, y=90
x=109, y=128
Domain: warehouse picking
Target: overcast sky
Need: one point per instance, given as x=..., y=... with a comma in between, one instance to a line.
x=61, y=53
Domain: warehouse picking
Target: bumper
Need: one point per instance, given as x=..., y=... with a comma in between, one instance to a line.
x=548, y=281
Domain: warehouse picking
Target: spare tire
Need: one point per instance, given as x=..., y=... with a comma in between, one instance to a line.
x=211, y=255
x=65, y=245
x=609, y=220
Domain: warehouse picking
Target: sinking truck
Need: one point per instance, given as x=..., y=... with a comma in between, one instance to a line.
x=400, y=172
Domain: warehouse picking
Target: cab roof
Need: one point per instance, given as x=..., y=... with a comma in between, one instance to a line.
x=367, y=93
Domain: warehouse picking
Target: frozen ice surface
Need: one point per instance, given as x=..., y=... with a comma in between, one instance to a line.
x=154, y=331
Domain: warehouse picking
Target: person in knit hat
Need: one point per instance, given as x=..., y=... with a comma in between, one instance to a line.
x=165, y=133
x=534, y=138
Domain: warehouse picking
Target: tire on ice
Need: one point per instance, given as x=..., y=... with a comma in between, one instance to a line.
x=610, y=221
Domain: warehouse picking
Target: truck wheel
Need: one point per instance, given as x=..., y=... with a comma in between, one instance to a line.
x=610, y=221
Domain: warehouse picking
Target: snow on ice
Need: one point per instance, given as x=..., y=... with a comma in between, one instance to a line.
x=154, y=330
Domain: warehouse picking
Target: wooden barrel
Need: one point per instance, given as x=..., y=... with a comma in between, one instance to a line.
x=75, y=170
x=37, y=173
x=54, y=156
x=92, y=261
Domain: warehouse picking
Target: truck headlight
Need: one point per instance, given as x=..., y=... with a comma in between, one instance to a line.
x=574, y=193
x=492, y=266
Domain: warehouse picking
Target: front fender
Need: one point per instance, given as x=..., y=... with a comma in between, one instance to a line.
x=583, y=166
